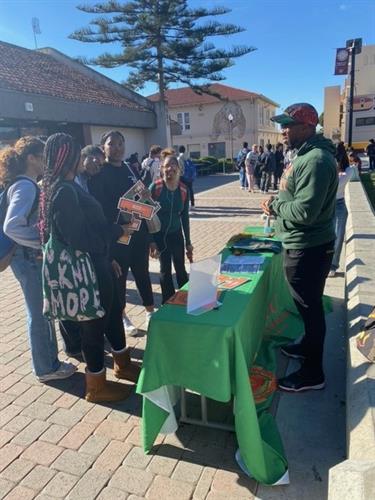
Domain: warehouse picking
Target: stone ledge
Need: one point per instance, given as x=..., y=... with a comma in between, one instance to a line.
x=357, y=474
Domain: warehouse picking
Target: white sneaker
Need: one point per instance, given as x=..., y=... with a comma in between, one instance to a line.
x=332, y=273
x=130, y=329
x=148, y=319
x=65, y=370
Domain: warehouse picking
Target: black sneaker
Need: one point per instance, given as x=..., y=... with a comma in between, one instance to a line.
x=301, y=381
x=293, y=351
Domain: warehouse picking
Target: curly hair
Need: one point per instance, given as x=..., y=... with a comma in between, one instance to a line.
x=61, y=156
x=13, y=159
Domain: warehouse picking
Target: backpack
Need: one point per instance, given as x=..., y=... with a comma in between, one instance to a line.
x=242, y=158
x=7, y=245
x=189, y=170
x=159, y=184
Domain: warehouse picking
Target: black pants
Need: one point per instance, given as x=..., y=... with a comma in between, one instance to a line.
x=265, y=181
x=92, y=332
x=135, y=257
x=189, y=185
x=306, y=271
x=71, y=335
x=171, y=248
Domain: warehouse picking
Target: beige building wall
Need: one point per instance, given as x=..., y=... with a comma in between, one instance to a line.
x=135, y=139
x=332, y=99
x=210, y=127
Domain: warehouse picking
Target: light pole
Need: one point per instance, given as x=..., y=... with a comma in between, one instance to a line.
x=230, y=118
x=354, y=46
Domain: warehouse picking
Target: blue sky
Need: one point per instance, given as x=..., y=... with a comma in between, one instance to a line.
x=295, y=40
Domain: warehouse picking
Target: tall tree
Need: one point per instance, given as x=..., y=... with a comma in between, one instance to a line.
x=163, y=41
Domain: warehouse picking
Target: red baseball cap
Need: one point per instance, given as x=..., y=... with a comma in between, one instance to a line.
x=301, y=112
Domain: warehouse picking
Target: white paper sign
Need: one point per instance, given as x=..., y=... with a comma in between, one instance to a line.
x=202, y=294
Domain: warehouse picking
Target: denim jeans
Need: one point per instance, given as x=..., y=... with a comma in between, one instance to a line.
x=341, y=217
x=265, y=181
x=243, y=180
x=42, y=337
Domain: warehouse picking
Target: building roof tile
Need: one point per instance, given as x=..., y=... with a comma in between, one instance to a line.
x=34, y=72
x=186, y=96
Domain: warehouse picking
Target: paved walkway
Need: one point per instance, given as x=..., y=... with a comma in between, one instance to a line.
x=56, y=445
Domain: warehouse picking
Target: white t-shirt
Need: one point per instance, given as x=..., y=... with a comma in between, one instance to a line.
x=344, y=178
x=251, y=159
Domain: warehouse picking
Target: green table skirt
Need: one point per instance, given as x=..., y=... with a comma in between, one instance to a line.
x=214, y=354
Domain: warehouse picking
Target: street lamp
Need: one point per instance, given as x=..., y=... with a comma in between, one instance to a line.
x=230, y=118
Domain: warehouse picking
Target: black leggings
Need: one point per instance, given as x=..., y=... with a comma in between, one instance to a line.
x=92, y=332
x=171, y=247
x=136, y=257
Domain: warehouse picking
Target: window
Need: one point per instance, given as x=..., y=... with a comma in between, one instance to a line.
x=216, y=149
x=363, y=122
x=261, y=120
x=184, y=120
x=194, y=150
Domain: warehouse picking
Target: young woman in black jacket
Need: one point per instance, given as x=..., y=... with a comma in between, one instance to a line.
x=115, y=178
x=78, y=221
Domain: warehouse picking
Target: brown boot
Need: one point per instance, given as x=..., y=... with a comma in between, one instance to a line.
x=100, y=390
x=123, y=366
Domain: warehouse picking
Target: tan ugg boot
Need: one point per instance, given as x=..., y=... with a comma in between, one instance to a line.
x=123, y=366
x=100, y=390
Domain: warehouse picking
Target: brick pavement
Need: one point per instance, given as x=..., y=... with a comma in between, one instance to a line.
x=54, y=444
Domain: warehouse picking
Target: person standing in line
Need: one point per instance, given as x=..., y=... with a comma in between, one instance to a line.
x=305, y=210
x=77, y=220
x=268, y=169
x=20, y=167
x=116, y=178
x=279, y=159
x=150, y=169
x=259, y=166
x=345, y=172
x=370, y=151
x=188, y=173
x=250, y=162
x=174, y=237
x=92, y=159
x=241, y=158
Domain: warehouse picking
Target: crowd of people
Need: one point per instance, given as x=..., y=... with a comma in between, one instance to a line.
x=54, y=190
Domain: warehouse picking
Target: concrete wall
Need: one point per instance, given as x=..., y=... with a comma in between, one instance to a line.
x=355, y=477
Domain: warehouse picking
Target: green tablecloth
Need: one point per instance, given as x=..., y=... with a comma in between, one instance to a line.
x=214, y=353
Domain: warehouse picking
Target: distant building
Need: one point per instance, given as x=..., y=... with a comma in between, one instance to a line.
x=336, y=103
x=209, y=126
x=44, y=91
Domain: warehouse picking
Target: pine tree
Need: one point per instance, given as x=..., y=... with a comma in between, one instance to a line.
x=163, y=41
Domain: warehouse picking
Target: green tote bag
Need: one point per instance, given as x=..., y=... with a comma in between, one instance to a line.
x=70, y=284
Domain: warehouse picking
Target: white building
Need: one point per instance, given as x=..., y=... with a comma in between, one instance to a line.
x=209, y=126
x=336, y=103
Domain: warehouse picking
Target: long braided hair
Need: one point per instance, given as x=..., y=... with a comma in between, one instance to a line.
x=13, y=159
x=61, y=156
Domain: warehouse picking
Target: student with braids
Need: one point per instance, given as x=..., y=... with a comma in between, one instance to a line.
x=115, y=178
x=20, y=167
x=77, y=220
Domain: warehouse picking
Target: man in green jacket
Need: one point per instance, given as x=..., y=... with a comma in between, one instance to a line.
x=305, y=212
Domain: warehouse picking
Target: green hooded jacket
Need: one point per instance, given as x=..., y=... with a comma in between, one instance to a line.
x=305, y=205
